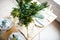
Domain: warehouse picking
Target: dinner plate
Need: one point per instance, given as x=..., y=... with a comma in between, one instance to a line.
x=17, y=36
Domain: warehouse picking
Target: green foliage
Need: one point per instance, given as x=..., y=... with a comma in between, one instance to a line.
x=3, y=22
x=43, y=5
x=26, y=10
x=27, y=1
x=15, y=12
x=15, y=37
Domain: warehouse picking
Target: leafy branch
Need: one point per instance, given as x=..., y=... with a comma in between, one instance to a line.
x=26, y=9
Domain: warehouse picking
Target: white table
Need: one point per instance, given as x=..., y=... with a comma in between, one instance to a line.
x=5, y=9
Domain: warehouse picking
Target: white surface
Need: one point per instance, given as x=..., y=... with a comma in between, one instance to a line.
x=56, y=8
x=57, y=1
x=5, y=7
x=48, y=15
x=49, y=33
x=48, y=18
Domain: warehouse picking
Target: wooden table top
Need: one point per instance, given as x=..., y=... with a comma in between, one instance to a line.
x=4, y=36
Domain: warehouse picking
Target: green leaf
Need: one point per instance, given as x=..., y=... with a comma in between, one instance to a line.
x=39, y=16
x=3, y=22
x=26, y=1
x=43, y=5
x=15, y=12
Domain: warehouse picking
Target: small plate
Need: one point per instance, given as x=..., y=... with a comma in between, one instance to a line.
x=7, y=25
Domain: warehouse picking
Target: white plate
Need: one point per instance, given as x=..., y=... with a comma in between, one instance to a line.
x=18, y=35
x=8, y=24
